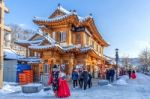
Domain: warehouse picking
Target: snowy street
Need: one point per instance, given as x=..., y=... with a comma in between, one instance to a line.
x=122, y=89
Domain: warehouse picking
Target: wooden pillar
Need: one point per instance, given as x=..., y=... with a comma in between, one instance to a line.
x=84, y=39
x=71, y=63
x=91, y=68
x=1, y=55
x=69, y=37
x=70, y=66
x=3, y=9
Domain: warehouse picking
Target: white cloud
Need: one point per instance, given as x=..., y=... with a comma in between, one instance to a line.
x=23, y=25
x=142, y=44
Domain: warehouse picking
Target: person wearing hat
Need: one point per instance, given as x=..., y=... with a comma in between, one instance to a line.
x=53, y=79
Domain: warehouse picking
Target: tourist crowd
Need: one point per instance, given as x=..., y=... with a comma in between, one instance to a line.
x=80, y=78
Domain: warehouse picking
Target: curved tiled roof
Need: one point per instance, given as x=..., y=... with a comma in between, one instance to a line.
x=42, y=47
x=59, y=18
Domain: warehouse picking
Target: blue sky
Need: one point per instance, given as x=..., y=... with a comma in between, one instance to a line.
x=125, y=24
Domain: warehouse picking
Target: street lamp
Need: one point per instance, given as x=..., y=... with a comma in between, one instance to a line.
x=117, y=59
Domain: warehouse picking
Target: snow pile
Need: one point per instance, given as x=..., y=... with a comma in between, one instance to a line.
x=109, y=85
x=10, y=54
x=7, y=89
x=33, y=85
x=11, y=83
x=122, y=81
x=41, y=93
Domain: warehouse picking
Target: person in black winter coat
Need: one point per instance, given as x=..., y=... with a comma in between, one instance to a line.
x=107, y=75
x=129, y=73
x=112, y=74
x=90, y=80
x=80, y=79
x=85, y=76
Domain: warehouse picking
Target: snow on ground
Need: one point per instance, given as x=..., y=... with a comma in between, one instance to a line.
x=122, y=81
x=134, y=89
x=10, y=87
x=33, y=84
x=39, y=94
x=109, y=85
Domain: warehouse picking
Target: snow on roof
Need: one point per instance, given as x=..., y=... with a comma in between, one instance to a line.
x=81, y=19
x=10, y=54
x=85, y=49
x=58, y=18
x=63, y=10
x=40, y=32
x=67, y=14
x=51, y=40
x=54, y=19
x=38, y=40
x=30, y=59
x=37, y=33
x=29, y=42
x=70, y=47
x=45, y=46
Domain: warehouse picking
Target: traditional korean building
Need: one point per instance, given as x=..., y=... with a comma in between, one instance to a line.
x=68, y=40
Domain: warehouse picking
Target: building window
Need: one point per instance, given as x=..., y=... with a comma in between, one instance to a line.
x=46, y=68
x=63, y=36
x=87, y=39
x=100, y=49
x=97, y=47
x=93, y=44
x=53, y=35
x=78, y=38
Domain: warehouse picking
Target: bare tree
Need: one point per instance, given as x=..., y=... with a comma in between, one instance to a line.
x=145, y=59
x=126, y=62
x=17, y=33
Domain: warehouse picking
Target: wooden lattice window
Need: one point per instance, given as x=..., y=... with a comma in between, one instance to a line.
x=78, y=38
x=63, y=36
x=87, y=39
x=93, y=44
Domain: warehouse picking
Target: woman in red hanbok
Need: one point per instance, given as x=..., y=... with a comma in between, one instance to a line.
x=59, y=84
x=133, y=75
x=63, y=87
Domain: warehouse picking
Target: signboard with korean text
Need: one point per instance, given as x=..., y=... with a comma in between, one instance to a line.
x=78, y=29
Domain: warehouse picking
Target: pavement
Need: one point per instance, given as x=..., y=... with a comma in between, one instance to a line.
x=134, y=89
